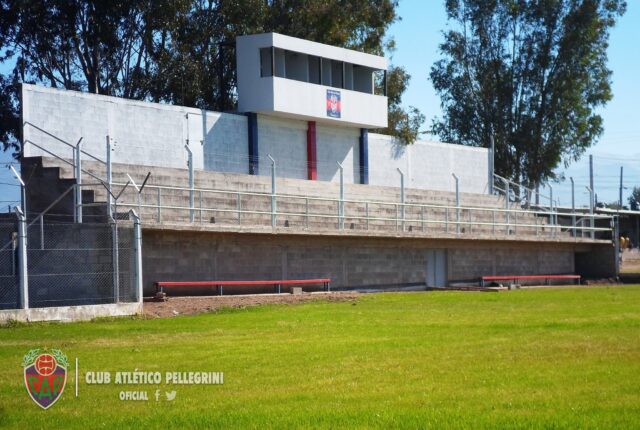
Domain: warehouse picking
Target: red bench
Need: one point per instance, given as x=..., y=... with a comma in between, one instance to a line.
x=326, y=283
x=527, y=277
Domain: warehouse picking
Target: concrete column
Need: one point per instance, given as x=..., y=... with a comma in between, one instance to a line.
x=312, y=152
x=364, y=156
x=254, y=160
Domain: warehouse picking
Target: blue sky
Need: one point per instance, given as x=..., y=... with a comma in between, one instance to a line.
x=419, y=33
x=417, y=36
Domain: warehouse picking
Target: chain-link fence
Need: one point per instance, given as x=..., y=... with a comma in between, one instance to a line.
x=69, y=264
x=79, y=264
x=9, y=281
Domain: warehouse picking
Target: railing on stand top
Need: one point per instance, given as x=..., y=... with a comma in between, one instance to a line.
x=276, y=210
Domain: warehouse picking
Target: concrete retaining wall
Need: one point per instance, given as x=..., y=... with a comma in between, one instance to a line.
x=152, y=134
x=71, y=313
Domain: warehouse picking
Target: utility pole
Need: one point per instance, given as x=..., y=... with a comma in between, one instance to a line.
x=621, y=172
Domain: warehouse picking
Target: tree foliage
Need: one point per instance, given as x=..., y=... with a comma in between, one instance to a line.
x=634, y=199
x=173, y=51
x=530, y=73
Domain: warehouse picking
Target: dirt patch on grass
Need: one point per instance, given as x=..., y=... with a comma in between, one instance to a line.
x=194, y=305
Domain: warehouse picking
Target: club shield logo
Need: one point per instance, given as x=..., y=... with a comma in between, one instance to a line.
x=45, y=375
x=334, y=107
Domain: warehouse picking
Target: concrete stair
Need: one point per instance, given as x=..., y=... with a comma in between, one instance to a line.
x=297, y=197
x=49, y=181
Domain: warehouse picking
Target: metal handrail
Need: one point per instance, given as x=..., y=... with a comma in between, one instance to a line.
x=375, y=202
x=356, y=217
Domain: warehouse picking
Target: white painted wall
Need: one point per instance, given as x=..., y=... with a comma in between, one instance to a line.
x=427, y=165
x=147, y=134
x=151, y=134
x=302, y=100
x=286, y=142
x=338, y=144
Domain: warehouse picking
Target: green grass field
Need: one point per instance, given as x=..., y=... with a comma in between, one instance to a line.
x=547, y=358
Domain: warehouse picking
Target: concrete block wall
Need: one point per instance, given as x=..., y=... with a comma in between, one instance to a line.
x=349, y=262
x=428, y=165
x=152, y=134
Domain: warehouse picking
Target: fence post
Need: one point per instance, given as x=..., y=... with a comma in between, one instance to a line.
x=78, y=191
x=402, y=198
x=191, y=182
x=341, y=202
x=137, y=246
x=23, y=274
x=457, y=203
x=273, y=191
x=109, y=176
x=116, y=260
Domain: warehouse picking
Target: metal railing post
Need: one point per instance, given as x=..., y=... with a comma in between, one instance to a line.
x=507, y=192
x=341, y=202
x=191, y=183
x=402, y=198
x=591, y=211
x=137, y=244
x=109, y=176
x=573, y=207
x=457, y=203
x=23, y=274
x=273, y=191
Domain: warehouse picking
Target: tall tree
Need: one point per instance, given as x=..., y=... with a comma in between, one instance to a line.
x=530, y=74
x=175, y=51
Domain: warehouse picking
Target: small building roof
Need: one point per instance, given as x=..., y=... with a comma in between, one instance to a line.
x=308, y=47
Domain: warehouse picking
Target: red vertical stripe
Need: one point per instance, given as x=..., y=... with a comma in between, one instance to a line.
x=312, y=156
